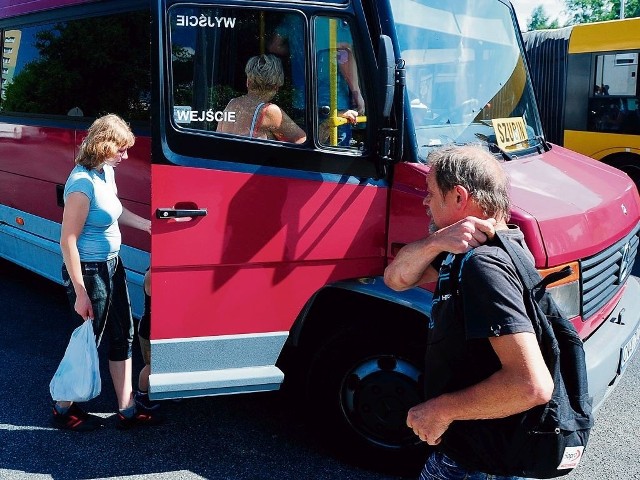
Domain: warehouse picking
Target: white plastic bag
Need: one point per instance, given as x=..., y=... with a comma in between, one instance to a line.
x=77, y=378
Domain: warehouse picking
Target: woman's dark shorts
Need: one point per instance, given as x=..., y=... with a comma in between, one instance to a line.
x=106, y=284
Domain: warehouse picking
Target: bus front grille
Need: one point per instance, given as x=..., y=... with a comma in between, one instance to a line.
x=604, y=274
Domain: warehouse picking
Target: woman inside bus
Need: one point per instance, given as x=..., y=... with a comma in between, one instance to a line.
x=255, y=116
x=93, y=273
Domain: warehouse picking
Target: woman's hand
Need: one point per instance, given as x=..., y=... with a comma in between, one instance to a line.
x=83, y=305
x=350, y=115
x=133, y=220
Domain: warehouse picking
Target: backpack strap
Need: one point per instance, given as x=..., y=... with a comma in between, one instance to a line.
x=530, y=277
x=526, y=271
x=454, y=285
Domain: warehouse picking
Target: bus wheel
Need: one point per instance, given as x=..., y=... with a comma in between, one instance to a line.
x=361, y=385
x=628, y=163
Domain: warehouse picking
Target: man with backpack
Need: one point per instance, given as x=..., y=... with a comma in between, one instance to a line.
x=483, y=358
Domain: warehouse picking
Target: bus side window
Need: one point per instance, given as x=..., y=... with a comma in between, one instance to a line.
x=614, y=99
x=43, y=75
x=239, y=72
x=339, y=96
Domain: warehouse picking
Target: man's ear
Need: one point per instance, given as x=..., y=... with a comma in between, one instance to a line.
x=462, y=196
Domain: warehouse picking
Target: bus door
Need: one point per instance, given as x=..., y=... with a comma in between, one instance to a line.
x=259, y=197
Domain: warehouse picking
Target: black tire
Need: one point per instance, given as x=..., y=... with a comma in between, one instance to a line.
x=360, y=386
x=628, y=163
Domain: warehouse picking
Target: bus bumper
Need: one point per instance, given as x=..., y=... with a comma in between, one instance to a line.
x=609, y=350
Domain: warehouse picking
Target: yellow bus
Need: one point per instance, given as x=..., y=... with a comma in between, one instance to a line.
x=586, y=83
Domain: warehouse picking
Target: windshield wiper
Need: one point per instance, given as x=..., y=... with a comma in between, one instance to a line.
x=544, y=143
x=541, y=142
x=495, y=148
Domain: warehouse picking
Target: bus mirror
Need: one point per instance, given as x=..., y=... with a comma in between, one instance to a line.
x=386, y=70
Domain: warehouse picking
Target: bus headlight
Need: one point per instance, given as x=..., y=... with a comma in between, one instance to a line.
x=566, y=292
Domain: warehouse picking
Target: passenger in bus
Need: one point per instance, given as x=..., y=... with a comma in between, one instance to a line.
x=93, y=274
x=255, y=115
x=348, y=94
x=288, y=40
x=631, y=121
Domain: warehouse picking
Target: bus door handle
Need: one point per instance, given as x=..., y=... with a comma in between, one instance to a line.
x=180, y=213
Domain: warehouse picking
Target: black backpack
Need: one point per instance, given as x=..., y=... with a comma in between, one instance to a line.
x=546, y=441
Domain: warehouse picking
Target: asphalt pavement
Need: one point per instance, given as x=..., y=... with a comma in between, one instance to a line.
x=235, y=437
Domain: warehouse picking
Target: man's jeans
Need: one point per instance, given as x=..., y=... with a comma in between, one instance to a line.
x=441, y=467
x=106, y=285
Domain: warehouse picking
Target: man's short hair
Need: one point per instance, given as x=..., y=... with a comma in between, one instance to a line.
x=477, y=170
x=264, y=72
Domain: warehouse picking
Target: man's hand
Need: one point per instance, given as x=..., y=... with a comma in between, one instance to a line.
x=465, y=234
x=522, y=382
x=412, y=265
x=427, y=423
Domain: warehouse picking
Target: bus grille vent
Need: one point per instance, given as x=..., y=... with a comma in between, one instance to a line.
x=604, y=274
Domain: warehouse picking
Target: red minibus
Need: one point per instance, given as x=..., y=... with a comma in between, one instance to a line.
x=266, y=255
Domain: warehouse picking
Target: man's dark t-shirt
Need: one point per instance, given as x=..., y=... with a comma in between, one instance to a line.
x=459, y=353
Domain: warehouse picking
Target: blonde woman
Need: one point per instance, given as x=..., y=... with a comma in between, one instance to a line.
x=255, y=116
x=93, y=273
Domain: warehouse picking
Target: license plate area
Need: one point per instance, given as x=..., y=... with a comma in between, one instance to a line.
x=628, y=349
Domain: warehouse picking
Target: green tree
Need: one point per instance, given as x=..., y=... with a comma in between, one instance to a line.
x=631, y=9
x=539, y=20
x=587, y=11
x=99, y=67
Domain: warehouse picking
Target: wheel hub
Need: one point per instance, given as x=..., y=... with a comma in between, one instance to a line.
x=376, y=396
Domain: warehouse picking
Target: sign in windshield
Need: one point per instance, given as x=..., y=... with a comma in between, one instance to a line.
x=511, y=133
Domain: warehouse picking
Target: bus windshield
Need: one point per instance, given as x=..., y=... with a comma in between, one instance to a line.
x=465, y=69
